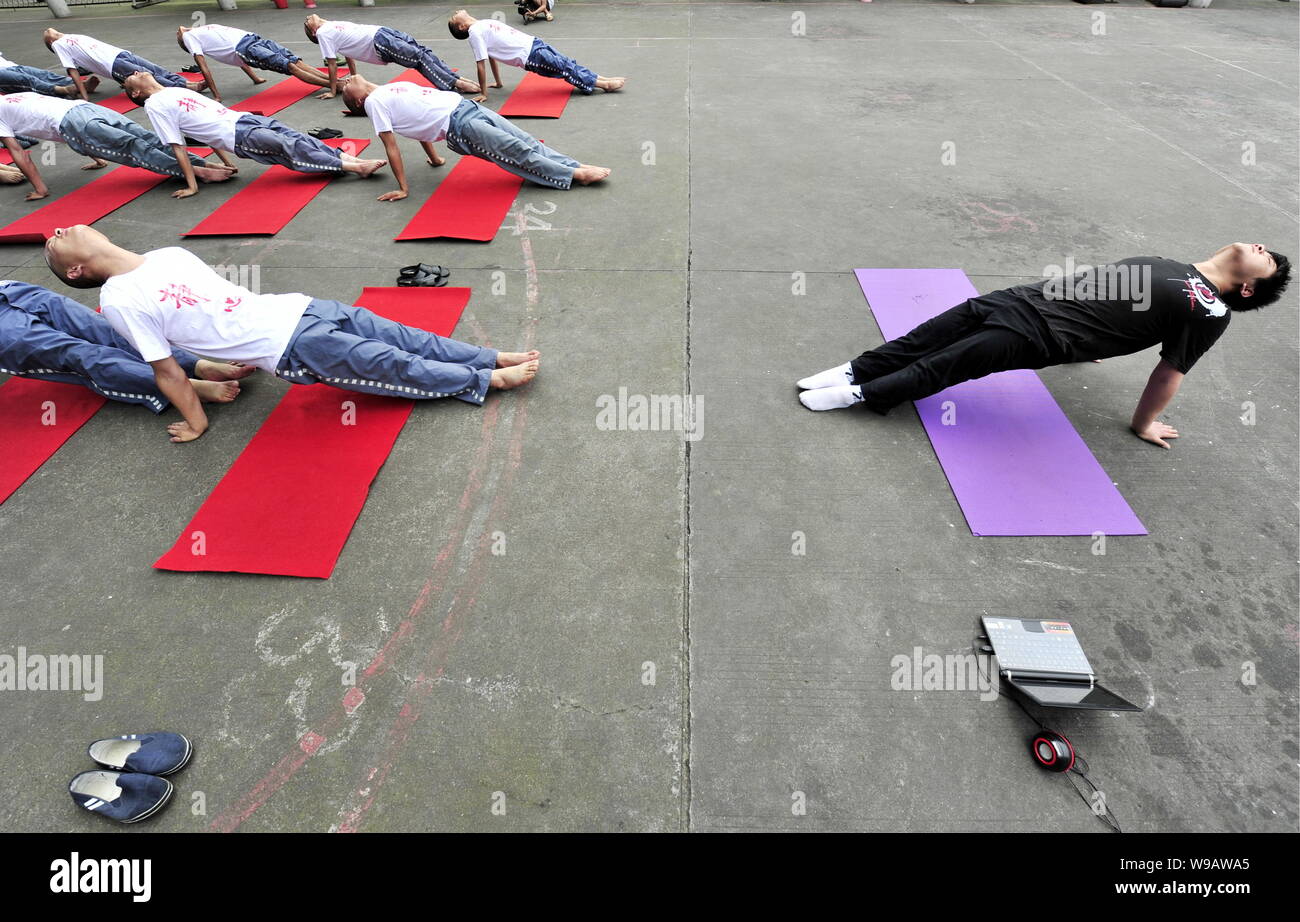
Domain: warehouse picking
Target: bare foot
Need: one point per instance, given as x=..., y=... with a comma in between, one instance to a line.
x=258, y=81
x=11, y=177
x=507, y=378
x=467, y=86
x=586, y=175
x=611, y=84
x=209, y=370
x=215, y=391
x=212, y=173
x=95, y=164
x=368, y=167
x=510, y=359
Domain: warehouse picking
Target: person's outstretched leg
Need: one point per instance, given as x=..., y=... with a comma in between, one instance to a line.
x=986, y=350
x=24, y=79
x=127, y=63
x=548, y=62
x=322, y=350
x=934, y=334
x=483, y=133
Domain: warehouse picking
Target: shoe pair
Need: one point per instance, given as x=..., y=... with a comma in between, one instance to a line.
x=130, y=786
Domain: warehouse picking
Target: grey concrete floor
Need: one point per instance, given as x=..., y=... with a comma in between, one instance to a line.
x=648, y=653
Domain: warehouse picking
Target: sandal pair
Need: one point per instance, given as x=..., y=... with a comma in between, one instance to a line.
x=422, y=275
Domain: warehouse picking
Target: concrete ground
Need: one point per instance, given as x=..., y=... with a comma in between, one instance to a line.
x=648, y=653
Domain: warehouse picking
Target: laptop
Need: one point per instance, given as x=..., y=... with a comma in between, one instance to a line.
x=1044, y=662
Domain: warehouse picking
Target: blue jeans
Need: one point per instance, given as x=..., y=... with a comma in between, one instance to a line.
x=94, y=131
x=47, y=336
x=548, y=62
x=396, y=47
x=265, y=54
x=268, y=141
x=480, y=132
x=23, y=79
x=357, y=350
x=126, y=64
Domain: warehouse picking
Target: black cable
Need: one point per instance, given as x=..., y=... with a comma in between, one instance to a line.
x=1107, y=817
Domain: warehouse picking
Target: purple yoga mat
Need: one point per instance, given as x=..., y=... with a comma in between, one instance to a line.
x=1015, y=463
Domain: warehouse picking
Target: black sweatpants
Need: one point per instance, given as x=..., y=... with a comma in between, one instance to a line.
x=958, y=345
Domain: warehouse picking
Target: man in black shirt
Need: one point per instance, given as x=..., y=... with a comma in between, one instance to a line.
x=1111, y=310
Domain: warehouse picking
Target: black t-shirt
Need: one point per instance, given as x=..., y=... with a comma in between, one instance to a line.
x=1117, y=309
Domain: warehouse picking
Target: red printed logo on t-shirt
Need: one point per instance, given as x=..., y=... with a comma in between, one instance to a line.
x=179, y=296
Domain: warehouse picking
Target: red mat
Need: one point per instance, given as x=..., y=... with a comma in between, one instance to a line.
x=281, y=96
x=537, y=97
x=109, y=192
x=271, y=201
x=469, y=204
x=119, y=103
x=288, y=503
x=411, y=75
x=36, y=418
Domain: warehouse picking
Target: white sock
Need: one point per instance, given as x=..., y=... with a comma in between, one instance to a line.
x=831, y=398
x=831, y=377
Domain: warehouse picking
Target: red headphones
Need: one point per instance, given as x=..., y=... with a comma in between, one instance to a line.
x=1052, y=751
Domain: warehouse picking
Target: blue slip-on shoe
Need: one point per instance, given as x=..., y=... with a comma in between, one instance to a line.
x=127, y=797
x=150, y=753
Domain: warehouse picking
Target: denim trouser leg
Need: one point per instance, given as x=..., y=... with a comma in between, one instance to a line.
x=72, y=344
x=126, y=64
x=268, y=141
x=548, y=62
x=399, y=48
x=265, y=54
x=94, y=131
x=23, y=79
x=357, y=350
x=476, y=130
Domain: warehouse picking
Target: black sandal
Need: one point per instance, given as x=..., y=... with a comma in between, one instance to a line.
x=325, y=134
x=422, y=275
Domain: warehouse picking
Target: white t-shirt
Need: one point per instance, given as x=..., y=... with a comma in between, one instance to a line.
x=417, y=112
x=5, y=62
x=350, y=39
x=489, y=38
x=175, y=299
x=177, y=113
x=214, y=41
x=90, y=53
x=34, y=115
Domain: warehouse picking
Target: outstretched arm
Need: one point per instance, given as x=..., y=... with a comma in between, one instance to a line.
x=187, y=170
x=1161, y=388
x=202, y=61
x=81, y=87
x=23, y=161
x=176, y=387
x=482, y=81
x=334, y=80
x=394, y=155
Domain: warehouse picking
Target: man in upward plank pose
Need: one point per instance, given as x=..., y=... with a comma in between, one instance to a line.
x=169, y=298
x=1111, y=310
x=177, y=114
x=244, y=50
x=377, y=45
x=493, y=41
x=78, y=52
x=428, y=115
x=95, y=132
